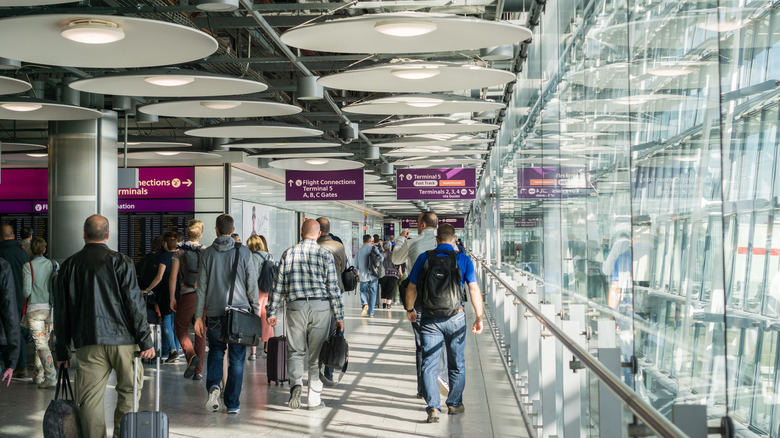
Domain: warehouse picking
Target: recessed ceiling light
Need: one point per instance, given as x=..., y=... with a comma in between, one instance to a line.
x=416, y=73
x=37, y=155
x=404, y=29
x=167, y=153
x=437, y=160
x=21, y=106
x=220, y=104
x=92, y=31
x=669, y=71
x=424, y=103
x=170, y=81
x=317, y=162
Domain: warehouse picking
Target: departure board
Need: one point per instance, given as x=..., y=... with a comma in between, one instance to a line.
x=38, y=222
x=136, y=231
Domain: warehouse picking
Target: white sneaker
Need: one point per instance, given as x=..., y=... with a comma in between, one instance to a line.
x=212, y=404
x=315, y=395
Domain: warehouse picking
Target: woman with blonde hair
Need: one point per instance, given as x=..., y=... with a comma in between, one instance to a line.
x=259, y=247
x=37, y=275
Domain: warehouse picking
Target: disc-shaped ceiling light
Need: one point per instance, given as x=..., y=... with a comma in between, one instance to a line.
x=101, y=41
x=437, y=161
x=371, y=178
x=412, y=141
x=254, y=130
x=152, y=143
x=422, y=104
x=316, y=164
x=449, y=153
x=17, y=146
x=13, y=86
x=292, y=143
x=44, y=110
x=167, y=156
x=431, y=125
x=168, y=82
x=404, y=32
x=10, y=64
x=302, y=153
x=216, y=5
x=415, y=77
x=222, y=108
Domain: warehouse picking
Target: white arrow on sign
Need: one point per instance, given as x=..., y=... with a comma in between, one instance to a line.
x=471, y=192
x=290, y=182
x=188, y=182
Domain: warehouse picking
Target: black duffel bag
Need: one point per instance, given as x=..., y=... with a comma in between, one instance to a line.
x=63, y=416
x=350, y=279
x=239, y=326
x=335, y=354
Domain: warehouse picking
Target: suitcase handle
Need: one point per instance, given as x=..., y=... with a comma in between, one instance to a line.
x=136, y=356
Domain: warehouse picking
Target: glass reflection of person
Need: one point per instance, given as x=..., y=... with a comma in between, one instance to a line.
x=618, y=264
x=254, y=219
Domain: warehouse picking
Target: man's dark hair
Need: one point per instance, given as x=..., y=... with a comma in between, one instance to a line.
x=430, y=219
x=376, y=238
x=225, y=224
x=324, y=225
x=25, y=233
x=445, y=232
x=366, y=238
x=96, y=228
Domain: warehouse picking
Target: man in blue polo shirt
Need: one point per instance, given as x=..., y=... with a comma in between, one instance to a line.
x=449, y=331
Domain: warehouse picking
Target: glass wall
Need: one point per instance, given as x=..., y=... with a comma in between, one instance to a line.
x=637, y=172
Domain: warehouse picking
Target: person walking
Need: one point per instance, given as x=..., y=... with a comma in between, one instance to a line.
x=184, y=268
x=37, y=275
x=392, y=273
x=99, y=307
x=215, y=282
x=11, y=250
x=160, y=285
x=307, y=281
x=10, y=337
x=26, y=236
x=443, y=323
x=340, y=260
x=407, y=250
x=368, y=281
x=259, y=247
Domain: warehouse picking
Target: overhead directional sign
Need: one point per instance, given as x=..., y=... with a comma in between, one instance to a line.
x=456, y=222
x=446, y=184
x=324, y=185
x=162, y=183
x=552, y=182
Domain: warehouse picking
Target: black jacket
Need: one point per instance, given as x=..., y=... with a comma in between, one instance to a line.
x=10, y=337
x=99, y=302
x=15, y=255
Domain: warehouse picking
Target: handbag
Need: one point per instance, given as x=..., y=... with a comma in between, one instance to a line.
x=63, y=416
x=239, y=326
x=335, y=354
x=349, y=278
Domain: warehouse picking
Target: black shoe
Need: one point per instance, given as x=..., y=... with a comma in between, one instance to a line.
x=190, y=371
x=384, y=305
x=295, y=397
x=197, y=377
x=173, y=357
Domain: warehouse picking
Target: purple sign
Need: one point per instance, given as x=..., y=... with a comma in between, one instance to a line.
x=552, y=182
x=456, y=222
x=410, y=222
x=24, y=184
x=15, y=207
x=155, y=205
x=527, y=222
x=416, y=184
x=325, y=185
x=41, y=206
x=162, y=182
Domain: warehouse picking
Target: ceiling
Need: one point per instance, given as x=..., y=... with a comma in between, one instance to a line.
x=250, y=49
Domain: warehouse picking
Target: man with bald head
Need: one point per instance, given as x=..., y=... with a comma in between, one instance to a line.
x=11, y=250
x=308, y=283
x=100, y=309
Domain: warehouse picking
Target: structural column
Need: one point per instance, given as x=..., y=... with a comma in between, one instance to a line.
x=82, y=181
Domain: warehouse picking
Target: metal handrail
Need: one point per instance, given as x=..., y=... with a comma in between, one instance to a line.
x=658, y=423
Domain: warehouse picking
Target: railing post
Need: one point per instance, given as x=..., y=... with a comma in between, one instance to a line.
x=521, y=358
x=549, y=370
x=572, y=383
x=610, y=407
x=534, y=366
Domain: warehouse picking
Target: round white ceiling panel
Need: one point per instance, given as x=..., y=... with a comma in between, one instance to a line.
x=13, y=86
x=316, y=164
x=221, y=108
x=291, y=143
x=450, y=153
x=302, y=153
x=151, y=144
x=170, y=82
x=7, y=3
x=437, y=162
x=417, y=77
x=254, y=130
x=101, y=41
x=431, y=125
x=448, y=140
x=43, y=110
x=404, y=32
x=379, y=188
x=422, y=104
x=21, y=147
x=371, y=178
x=165, y=156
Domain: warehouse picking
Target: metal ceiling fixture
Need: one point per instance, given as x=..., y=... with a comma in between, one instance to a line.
x=217, y=5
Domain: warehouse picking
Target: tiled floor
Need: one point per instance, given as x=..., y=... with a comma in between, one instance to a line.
x=376, y=398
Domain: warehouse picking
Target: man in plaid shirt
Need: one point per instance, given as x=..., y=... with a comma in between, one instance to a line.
x=308, y=283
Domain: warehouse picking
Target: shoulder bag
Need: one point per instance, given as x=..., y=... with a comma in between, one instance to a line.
x=239, y=326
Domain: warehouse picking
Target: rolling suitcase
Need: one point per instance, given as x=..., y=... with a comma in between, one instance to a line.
x=145, y=424
x=276, y=366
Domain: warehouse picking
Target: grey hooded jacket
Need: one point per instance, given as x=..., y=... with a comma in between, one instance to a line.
x=214, y=275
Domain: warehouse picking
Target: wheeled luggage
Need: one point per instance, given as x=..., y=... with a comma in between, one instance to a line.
x=277, y=360
x=145, y=424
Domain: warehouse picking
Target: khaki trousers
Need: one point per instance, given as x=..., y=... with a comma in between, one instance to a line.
x=95, y=365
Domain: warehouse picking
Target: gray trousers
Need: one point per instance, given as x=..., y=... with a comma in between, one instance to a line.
x=307, y=323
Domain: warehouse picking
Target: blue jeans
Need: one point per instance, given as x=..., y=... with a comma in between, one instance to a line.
x=236, y=357
x=169, y=341
x=438, y=333
x=368, y=294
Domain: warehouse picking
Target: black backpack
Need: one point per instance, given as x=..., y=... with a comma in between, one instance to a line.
x=440, y=284
x=267, y=274
x=375, y=264
x=190, y=261
x=350, y=279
